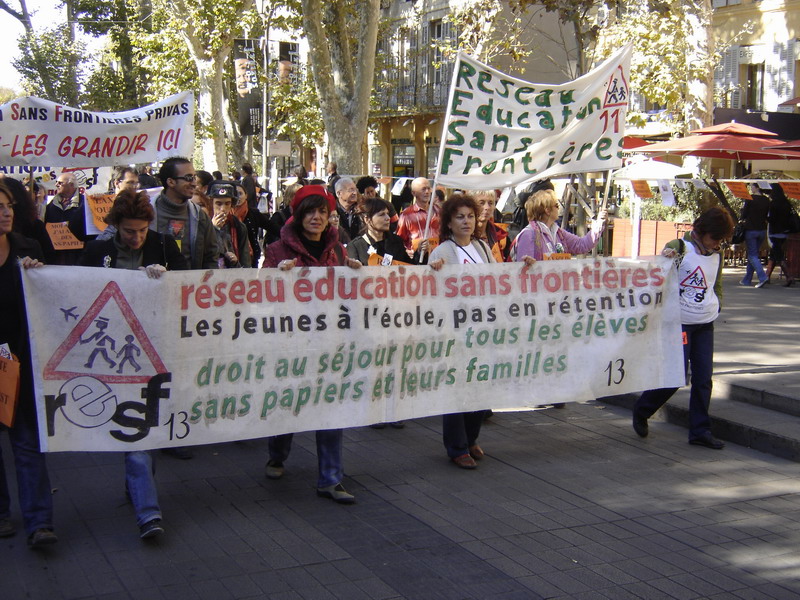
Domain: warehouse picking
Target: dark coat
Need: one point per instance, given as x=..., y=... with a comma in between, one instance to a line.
x=754, y=213
x=290, y=246
x=158, y=249
x=391, y=244
x=21, y=247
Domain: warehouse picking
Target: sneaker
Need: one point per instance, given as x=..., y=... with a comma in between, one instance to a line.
x=337, y=493
x=397, y=425
x=42, y=537
x=762, y=283
x=151, y=529
x=7, y=528
x=745, y=283
x=274, y=469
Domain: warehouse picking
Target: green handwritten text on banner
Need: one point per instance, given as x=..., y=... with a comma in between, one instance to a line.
x=202, y=357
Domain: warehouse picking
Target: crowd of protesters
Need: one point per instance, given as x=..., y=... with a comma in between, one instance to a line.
x=198, y=220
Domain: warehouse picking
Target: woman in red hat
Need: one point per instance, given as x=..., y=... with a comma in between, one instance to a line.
x=308, y=241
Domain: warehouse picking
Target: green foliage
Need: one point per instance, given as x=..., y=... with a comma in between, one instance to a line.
x=49, y=51
x=689, y=203
x=487, y=31
x=663, y=63
x=295, y=110
x=7, y=94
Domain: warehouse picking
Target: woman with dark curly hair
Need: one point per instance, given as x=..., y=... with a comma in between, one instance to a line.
x=33, y=483
x=458, y=245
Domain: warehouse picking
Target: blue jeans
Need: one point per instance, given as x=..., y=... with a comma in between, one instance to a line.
x=699, y=351
x=460, y=431
x=141, y=485
x=33, y=481
x=329, y=454
x=753, y=238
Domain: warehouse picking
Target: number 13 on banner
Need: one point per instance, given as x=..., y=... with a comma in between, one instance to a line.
x=616, y=371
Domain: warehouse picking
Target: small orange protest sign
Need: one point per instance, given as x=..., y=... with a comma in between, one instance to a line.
x=791, y=188
x=557, y=256
x=62, y=237
x=99, y=205
x=376, y=260
x=9, y=390
x=642, y=189
x=739, y=189
x=432, y=243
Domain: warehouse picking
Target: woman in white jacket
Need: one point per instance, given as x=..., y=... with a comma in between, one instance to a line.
x=458, y=246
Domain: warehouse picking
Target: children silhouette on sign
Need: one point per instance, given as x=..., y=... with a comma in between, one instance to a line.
x=128, y=350
x=100, y=339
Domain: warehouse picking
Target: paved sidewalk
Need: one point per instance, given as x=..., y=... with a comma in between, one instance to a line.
x=567, y=504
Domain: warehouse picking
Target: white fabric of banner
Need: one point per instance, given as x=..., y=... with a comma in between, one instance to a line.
x=201, y=357
x=501, y=131
x=41, y=132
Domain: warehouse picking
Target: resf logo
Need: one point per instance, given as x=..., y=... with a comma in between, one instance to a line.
x=88, y=402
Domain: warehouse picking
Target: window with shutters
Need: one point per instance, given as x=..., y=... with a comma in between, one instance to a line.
x=753, y=86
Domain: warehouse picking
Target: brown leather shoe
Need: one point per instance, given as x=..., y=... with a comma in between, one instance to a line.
x=476, y=452
x=465, y=461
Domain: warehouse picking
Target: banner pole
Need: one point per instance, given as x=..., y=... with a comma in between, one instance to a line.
x=445, y=122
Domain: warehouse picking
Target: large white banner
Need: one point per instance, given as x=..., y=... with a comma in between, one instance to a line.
x=501, y=131
x=34, y=131
x=124, y=362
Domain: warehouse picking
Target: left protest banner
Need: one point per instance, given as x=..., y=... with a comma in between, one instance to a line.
x=500, y=131
x=201, y=357
x=41, y=132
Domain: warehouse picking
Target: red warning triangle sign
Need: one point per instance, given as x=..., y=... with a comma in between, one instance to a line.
x=696, y=279
x=617, y=89
x=110, y=292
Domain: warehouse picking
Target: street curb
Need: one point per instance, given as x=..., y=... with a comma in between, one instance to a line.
x=730, y=422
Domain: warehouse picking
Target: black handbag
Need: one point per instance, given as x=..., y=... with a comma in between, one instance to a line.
x=738, y=234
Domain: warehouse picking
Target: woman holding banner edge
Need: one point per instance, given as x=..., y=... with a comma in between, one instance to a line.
x=33, y=483
x=308, y=240
x=137, y=247
x=458, y=245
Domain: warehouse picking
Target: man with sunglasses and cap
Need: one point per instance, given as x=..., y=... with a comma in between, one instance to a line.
x=182, y=219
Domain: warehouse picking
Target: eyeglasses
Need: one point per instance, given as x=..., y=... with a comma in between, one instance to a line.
x=186, y=178
x=58, y=183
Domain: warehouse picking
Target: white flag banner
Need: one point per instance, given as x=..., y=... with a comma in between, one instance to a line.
x=667, y=195
x=501, y=131
x=123, y=362
x=34, y=131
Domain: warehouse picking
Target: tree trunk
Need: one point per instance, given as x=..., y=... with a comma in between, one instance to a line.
x=343, y=80
x=209, y=114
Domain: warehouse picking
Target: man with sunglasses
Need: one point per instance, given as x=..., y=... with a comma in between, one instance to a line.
x=182, y=219
x=65, y=206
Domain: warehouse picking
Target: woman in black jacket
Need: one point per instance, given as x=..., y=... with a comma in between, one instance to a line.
x=780, y=225
x=136, y=246
x=33, y=483
x=375, y=236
